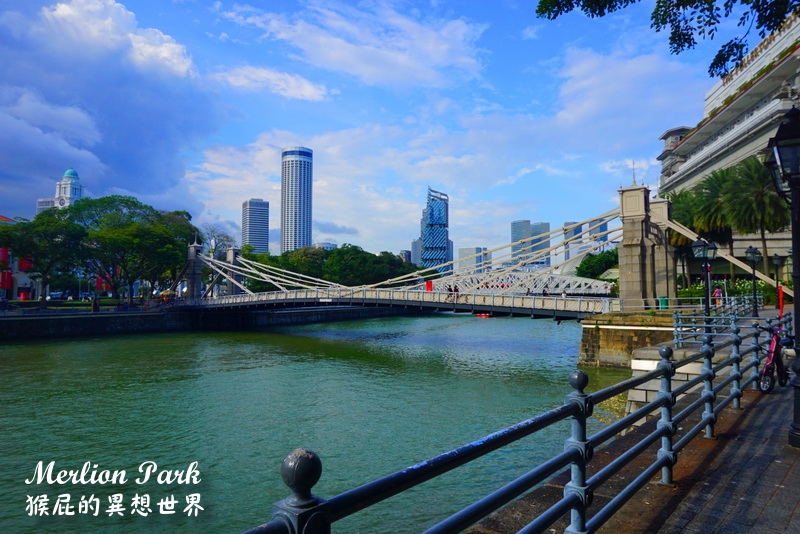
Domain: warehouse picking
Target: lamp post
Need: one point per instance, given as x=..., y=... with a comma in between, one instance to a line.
x=777, y=261
x=783, y=163
x=753, y=256
x=706, y=251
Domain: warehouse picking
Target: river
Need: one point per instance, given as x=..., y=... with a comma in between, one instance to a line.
x=217, y=413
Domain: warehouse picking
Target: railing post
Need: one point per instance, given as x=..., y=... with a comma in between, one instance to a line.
x=666, y=413
x=577, y=484
x=708, y=386
x=736, y=371
x=754, y=355
x=302, y=512
x=677, y=331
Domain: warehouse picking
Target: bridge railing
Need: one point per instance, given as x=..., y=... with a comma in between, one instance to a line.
x=718, y=385
x=400, y=297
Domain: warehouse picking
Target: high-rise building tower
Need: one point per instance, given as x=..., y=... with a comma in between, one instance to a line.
x=541, y=229
x=68, y=190
x=436, y=245
x=296, y=177
x=571, y=230
x=255, y=224
x=520, y=230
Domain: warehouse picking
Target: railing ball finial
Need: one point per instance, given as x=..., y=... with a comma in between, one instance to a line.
x=300, y=470
x=578, y=380
x=665, y=352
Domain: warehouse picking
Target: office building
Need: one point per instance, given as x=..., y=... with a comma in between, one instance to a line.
x=572, y=231
x=296, y=179
x=540, y=232
x=255, y=225
x=436, y=247
x=474, y=260
x=520, y=231
x=68, y=190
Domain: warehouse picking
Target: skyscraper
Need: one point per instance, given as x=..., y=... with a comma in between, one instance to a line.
x=436, y=245
x=541, y=229
x=255, y=224
x=520, y=230
x=296, y=177
x=571, y=230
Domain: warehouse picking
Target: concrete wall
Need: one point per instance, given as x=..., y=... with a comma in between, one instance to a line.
x=609, y=340
x=22, y=327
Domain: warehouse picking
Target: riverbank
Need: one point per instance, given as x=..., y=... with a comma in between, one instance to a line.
x=49, y=324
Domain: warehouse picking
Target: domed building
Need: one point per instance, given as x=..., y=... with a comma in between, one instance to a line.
x=68, y=190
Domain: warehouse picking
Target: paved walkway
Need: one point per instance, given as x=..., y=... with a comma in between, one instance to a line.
x=747, y=480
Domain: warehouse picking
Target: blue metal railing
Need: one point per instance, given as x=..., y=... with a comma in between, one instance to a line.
x=301, y=469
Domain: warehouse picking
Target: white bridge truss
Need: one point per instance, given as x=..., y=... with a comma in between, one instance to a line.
x=492, y=275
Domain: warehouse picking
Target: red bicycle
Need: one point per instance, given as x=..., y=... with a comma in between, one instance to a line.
x=774, y=361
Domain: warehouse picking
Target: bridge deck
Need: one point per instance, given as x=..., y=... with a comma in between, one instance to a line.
x=492, y=304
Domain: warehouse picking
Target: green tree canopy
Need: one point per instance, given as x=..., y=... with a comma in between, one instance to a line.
x=594, y=265
x=690, y=20
x=51, y=241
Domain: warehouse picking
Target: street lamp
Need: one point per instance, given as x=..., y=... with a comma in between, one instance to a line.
x=706, y=251
x=783, y=163
x=753, y=256
x=777, y=261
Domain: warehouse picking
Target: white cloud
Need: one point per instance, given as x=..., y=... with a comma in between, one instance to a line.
x=249, y=78
x=530, y=33
x=104, y=26
x=379, y=47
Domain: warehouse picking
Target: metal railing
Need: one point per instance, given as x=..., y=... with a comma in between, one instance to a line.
x=579, y=305
x=701, y=396
x=690, y=326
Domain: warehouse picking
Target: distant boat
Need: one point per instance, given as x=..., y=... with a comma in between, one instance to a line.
x=482, y=315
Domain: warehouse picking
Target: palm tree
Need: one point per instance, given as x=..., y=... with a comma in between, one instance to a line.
x=683, y=212
x=710, y=213
x=752, y=205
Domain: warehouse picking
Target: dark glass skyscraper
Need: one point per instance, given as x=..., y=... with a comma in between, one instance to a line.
x=296, y=178
x=434, y=234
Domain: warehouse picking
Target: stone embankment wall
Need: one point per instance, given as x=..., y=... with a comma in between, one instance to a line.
x=609, y=340
x=39, y=326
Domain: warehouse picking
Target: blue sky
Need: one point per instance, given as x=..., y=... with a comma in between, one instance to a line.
x=186, y=104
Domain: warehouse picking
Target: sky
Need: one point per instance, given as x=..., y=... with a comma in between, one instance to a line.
x=186, y=104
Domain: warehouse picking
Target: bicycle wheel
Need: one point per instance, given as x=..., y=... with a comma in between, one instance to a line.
x=766, y=383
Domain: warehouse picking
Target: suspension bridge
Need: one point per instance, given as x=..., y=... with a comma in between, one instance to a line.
x=521, y=278
x=517, y=279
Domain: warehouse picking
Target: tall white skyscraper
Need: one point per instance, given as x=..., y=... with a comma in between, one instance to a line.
x=255, y=224
x=296, y=178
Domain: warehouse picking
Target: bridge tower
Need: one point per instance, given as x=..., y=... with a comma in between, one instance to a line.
x=194, y=285
x=233, y=259
x=646, y=263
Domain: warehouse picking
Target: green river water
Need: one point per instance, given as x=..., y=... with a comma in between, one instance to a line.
x=370, y=397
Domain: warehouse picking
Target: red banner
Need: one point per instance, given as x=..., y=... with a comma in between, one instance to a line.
x=6, y=280
x=25, y=264
x=780, y=300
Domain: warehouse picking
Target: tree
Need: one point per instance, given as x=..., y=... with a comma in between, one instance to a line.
x=710, y=211
x=51, y=241
x=683, y=212
x=690, y=20
x=752, y=205
x=127, y=240
x=594, y=265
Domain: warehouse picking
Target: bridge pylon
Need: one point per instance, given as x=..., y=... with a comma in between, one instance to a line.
x=194, y=285
x=647, y=267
